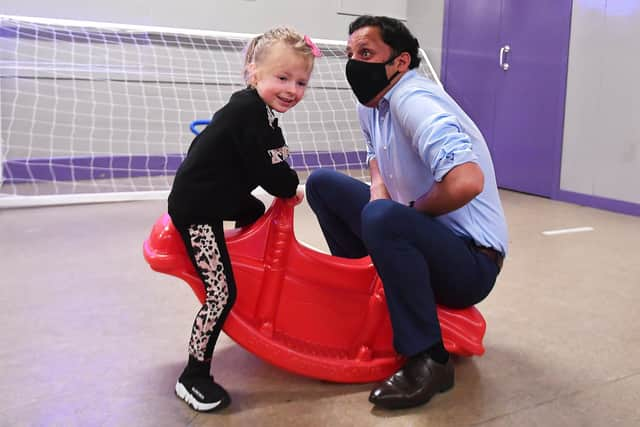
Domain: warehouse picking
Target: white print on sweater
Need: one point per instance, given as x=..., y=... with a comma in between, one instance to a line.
x=279, y=154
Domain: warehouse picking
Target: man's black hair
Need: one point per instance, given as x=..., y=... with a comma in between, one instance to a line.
x=394, y=33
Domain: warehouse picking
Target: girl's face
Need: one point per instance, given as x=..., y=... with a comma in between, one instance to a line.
x=282, y=76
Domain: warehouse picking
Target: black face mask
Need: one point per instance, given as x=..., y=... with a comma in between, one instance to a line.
x=367, y=79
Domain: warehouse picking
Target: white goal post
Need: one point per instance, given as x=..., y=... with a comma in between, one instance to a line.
x=95, y=112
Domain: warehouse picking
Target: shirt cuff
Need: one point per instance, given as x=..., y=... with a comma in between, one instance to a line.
x=448, y=161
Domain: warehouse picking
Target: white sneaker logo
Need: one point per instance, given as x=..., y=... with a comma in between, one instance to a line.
x=197, y=393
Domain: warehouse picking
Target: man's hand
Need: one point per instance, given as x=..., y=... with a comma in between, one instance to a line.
x=378, y=189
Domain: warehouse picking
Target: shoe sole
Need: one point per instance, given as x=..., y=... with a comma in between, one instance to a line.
x=190, y=399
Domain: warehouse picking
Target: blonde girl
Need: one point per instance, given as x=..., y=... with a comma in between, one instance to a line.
x=242, y=148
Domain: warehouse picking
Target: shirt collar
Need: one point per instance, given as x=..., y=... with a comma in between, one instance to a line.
x=405, y=76
x=383, y=105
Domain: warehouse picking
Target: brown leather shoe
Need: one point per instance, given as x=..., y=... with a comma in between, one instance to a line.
x=415, y=384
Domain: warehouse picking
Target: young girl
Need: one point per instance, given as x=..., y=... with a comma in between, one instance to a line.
x=241, y=149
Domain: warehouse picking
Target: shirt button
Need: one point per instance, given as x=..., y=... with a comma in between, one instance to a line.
x=390, y=175
x=385, y=147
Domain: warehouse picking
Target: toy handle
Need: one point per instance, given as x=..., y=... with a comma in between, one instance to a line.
x=194, y=124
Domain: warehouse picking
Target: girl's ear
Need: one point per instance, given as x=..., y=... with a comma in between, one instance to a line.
x=251, y=74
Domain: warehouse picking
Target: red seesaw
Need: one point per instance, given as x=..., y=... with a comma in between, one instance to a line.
x=305, y=311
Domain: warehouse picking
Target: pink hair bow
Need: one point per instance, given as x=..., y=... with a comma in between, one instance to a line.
x=314, y=49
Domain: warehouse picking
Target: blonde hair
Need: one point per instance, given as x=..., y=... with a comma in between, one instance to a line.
x=259, y=47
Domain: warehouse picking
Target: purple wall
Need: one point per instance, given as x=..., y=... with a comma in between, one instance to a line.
x=92, y=168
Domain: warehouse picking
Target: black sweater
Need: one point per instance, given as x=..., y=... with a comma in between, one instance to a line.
x=237, y=152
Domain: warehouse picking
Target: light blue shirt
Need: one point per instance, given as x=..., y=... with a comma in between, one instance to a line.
x=418, y=133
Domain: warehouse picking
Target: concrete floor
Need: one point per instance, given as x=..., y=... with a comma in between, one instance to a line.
x=92, y=337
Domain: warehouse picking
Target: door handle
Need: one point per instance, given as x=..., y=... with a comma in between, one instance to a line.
x=503, y=56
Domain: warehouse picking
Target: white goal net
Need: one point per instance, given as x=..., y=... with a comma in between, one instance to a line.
x=98, y=112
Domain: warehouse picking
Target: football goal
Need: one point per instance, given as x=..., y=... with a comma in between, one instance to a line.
x=94, y=112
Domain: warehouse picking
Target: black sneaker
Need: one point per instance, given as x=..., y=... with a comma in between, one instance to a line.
x=202, y=393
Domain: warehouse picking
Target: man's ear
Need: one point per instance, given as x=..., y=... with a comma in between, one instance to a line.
x=403, y=61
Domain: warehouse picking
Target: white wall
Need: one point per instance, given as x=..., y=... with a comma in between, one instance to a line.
x=327, y=19
x=601, y=146
x=425, y=20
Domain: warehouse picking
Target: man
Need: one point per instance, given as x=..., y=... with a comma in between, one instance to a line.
x=431, y=220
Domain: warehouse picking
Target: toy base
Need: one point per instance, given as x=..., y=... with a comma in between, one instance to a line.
x=310, y=313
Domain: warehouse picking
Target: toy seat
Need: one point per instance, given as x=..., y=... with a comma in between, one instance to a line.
x=305, y=311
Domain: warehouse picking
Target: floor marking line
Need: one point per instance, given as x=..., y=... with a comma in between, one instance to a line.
x=567, y=231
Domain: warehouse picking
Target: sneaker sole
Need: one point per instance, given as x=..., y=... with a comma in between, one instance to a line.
x=191, y=400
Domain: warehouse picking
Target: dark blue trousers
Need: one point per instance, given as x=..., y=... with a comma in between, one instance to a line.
x=420, y=261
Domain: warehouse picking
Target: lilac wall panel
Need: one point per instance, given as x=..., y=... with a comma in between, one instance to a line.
x=469, y=61
x=520, y=109
x=531, y=94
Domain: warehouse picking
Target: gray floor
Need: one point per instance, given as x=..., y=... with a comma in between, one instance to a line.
x=91, y=336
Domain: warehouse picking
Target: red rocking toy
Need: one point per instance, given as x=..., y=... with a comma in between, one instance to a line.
x=308, y=312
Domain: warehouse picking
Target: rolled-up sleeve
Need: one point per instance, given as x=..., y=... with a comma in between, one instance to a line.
x=436, y=134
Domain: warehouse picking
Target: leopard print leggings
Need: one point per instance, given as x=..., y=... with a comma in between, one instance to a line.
x=208, y=252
